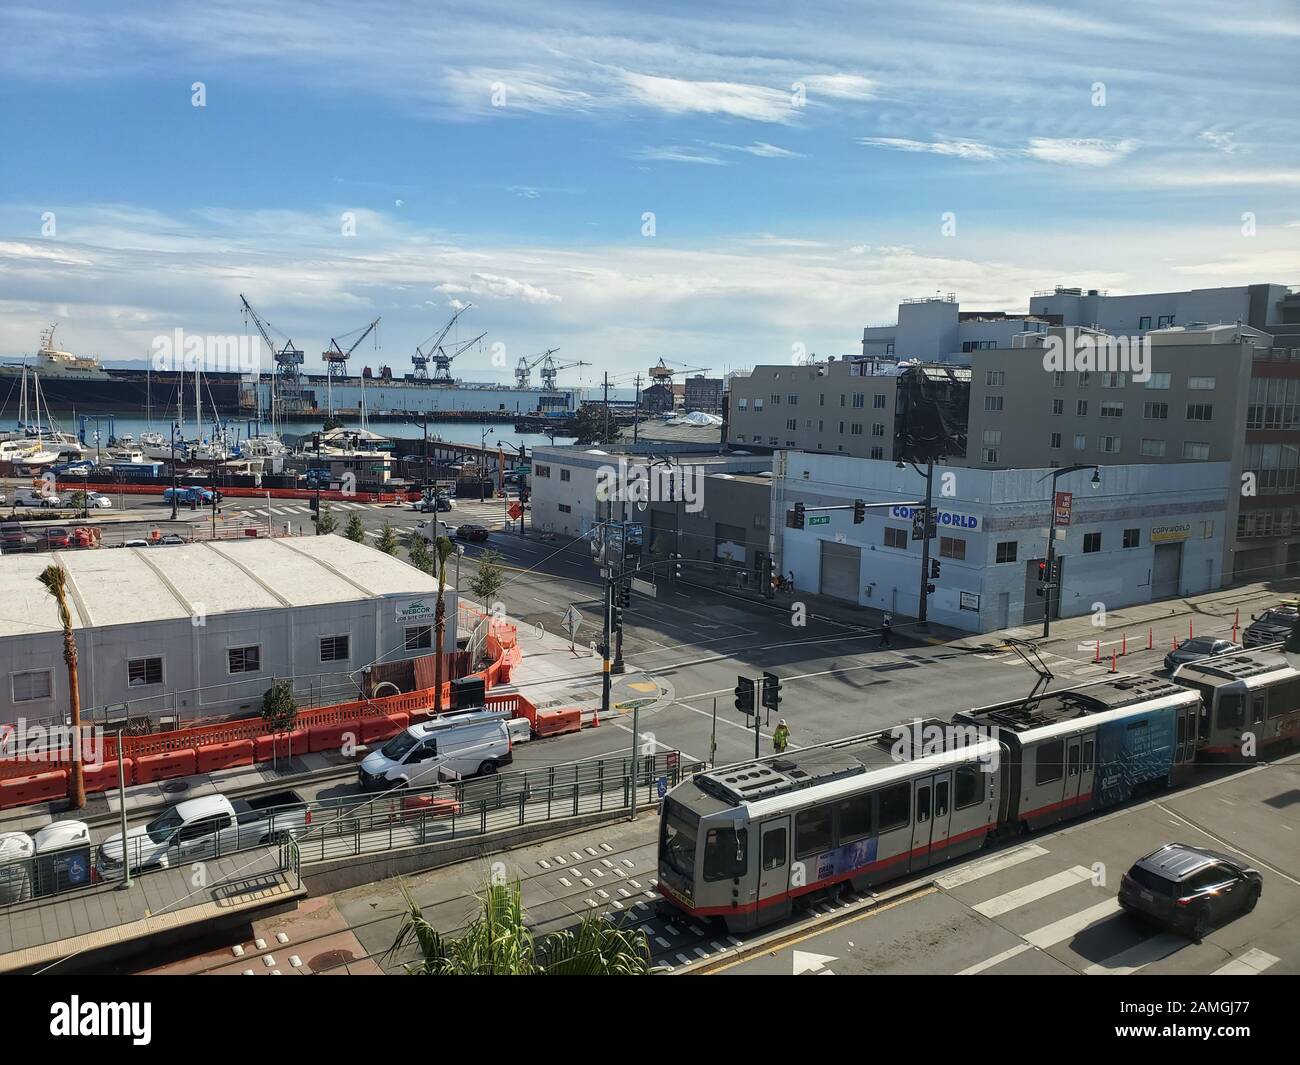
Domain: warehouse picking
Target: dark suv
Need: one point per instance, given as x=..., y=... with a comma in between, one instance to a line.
x=1273, y=626
x=1190, y=889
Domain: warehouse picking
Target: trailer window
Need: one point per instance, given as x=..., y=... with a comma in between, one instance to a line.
x=726, y=852
x=895, y=807
x=1232, y=711
x=812, y=830
x=855, y=818
x=1049, y=761
x=968, y=786
x=677, y=840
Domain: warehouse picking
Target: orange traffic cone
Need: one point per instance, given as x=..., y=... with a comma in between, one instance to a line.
x=1124, y=650
x=1112, y=663
x=1096, y=656
x=1150, y=637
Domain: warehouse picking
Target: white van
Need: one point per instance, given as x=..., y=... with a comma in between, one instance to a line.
x=36, y=497
x=471, y=744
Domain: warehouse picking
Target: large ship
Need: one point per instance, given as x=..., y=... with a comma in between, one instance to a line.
x=84, y=384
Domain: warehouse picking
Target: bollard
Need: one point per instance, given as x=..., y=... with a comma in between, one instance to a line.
x=1234, y=633
x=1150, y=637
x=1124, y=649
x=1236, y=618
x=1189, y=629
x=1112, y=663
x=1096, y=657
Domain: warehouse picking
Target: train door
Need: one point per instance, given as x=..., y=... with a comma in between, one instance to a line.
x=1073, y=771
x=922, y=820
x=1256, y=711
x=774, y=868
x=1185, y=725
x=941, y=819
x=1087, y=766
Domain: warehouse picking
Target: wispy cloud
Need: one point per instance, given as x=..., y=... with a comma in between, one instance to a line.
x=961, y=149
x=1225, y=141
x=678, y=96
x=676, y=154
x=1071, y=151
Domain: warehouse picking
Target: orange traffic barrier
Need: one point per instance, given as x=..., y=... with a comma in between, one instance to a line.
x=214, y=756
x=35, y=787
x=558, y=721
x=280, y=745
x=151, y=767
x=381, y=728
x=413, y=806
x=330, y=737
x=1096, y=655
x=1113, y=668
x=103, y=777
x=1150, y=636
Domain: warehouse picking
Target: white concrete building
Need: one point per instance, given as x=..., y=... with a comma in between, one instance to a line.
x=936, y=328
x=201, y=630
x=1144, y=533
x=1260, y=306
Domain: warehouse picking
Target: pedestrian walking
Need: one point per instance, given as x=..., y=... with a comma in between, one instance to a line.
x=781, y=737
x=886, y=627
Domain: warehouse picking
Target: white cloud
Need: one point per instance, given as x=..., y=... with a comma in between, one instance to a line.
x=1071, y=151
x=839, y=86
x=1224, y=142
x=675, y=154
x=962, y=149
x=678, y=96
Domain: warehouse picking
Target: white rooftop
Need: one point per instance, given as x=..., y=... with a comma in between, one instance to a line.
x=130, y=585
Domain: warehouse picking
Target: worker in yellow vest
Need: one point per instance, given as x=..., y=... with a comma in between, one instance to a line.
x=781, y=737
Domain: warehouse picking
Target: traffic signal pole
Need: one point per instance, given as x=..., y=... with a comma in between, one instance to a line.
x=923, y=607
x=758, y=713
x=604, y=650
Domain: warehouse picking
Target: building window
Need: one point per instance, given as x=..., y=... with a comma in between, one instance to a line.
x=743, y=404
x=1091, y=543
x=792, y=400
x=1132, y=537
x=1200, y=412
x=335, y=648
x=791, y=444
x=1144, y=322
x=952, y=547
x=566, y=475
x=1112, y=409
x=877, y=429
x=1158, y=381
x=855, y=429
x=1058, y=378
x=841, y=428
x=992, y=438
x=878, y=401
x=1080, y=442
x=1058, y=406
x=1108, y=444
x=419, y=637
x=1201, y=384
x=758, y=405
x=859, y=399
x=32, y=685
x=993, y=404
x=773, y=441
x=564, y=508
x=1085, y=378
x=1207, y=530
x=1081, y=408
x=1155, y=412
x=841, y=399
x=1164, y=321
x=822, y=401
x=144, y=671
x=1006, y=551
x=244, y=659
x=896, y=538
x=1196, y=449
x=1153, y=449
x=1112, y=380
x=877, y=452
x=994, y=378
x=1054, y=442
x=792, y=424
x=776, y=400
x=541, y=471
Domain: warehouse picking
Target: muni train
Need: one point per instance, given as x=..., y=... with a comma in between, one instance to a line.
x=1250, y=694
x=743, y=842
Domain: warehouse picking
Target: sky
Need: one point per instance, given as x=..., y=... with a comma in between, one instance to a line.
x=716, y=184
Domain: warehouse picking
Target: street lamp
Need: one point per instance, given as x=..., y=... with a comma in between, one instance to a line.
x=482, y=458
x=1049, y=584
x=923, y=606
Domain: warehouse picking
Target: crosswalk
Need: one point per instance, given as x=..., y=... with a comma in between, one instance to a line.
x=1019, y=889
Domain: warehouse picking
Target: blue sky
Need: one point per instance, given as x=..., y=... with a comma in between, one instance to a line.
x=798, y=161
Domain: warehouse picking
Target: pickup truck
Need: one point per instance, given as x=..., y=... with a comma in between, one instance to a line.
x=204, y=828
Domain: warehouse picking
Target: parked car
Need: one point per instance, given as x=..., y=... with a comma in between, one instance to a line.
x=170, y=540
x=191, y=493
x=56, y=537
x=471, y=532
x=432, y=528
x=1199, y=647
x=205, y=827
x=36, y=497
x=136, y=543
x=96, y=501
x=1273, y=626
x=475, y=743
x=12, y=536
x=1190, y=889
x=429, y=504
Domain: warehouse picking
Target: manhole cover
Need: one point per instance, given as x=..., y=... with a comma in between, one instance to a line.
x=174, y=786
x=330, y=959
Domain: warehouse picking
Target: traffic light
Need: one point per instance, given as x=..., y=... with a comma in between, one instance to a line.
x=677, y=566
x=1042, y=579
x=616, y=618
x=745, y=695
x=625, y=596
x=798, y=516
x=859, y=512
x=934, y=569
x=771, y=691
x=929, y=589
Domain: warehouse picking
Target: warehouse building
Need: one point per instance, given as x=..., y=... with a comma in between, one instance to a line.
x=1141, y=534
x=201, y=630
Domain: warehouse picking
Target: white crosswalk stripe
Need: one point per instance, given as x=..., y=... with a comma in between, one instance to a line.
x=1039, y=889
x=1138, y=956
x=1252, y=963
x=997, y=959
x=1061, y=930
x=985, y=866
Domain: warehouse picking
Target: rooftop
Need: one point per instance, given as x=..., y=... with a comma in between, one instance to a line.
x=133, y=585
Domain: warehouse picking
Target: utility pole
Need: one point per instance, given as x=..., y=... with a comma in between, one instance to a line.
x=174, y=489
x=758, y=714
x=604, y=650
x=636, y=758
x=713, y=737
x=636, y=423
x=426, y=459
x=604, y=435
x=925, y=546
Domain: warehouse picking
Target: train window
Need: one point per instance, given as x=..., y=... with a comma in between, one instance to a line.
x=1232, y=711
x=968, y=787
x=1050, y=759
x=774, y=848
x=725, y=852
x=1074, y=760
x=1257, y=702
x=1182, y=736
x=923, y=805
x=1087, y=756
x=1285, y=698
x=855, y=818
x=895, y=805
x=941, y=799
x=813, y=831
x=677, y=839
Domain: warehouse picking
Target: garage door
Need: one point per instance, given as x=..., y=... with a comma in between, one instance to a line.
x=1166, y=571
x=841, y=570
x=663, y=534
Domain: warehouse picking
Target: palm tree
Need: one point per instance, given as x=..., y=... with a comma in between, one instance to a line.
x=442, y=550
x=499, y=943
x=55, y=579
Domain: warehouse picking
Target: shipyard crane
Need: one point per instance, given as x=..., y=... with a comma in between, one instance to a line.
x=442, y=358
x=424, y=353
x=550, y=368
x=662, y=374
x=524, y=370
x=336, y=359
x=286, y=381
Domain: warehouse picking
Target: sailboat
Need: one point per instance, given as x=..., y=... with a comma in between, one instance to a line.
x=30, y=448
